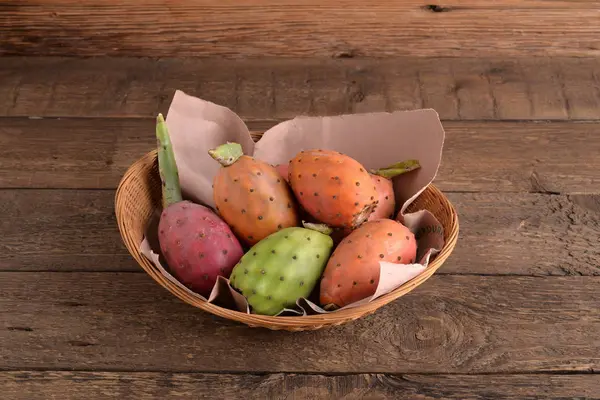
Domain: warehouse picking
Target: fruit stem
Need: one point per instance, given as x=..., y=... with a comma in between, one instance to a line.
x=398, y=168
x=227, y=153
x=169, y=175
x=324, y=229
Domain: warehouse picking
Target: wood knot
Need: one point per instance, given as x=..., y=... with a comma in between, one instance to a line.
x=436, y=8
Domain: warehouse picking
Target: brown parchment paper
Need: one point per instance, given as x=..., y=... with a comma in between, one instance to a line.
x=375, y=139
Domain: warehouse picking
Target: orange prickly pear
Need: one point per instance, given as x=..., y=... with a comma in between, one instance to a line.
x=251, y=196
x=352, y=272
x=332, y=187
x=385, y=190
x=302, y=214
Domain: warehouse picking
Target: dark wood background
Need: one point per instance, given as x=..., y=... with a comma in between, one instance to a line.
x=514, y=313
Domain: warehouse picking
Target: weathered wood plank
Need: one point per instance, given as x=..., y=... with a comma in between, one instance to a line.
x=458, y=88
x=33, y=385
x=457, y=324
x=382, y=28
x=61, y=231
x=553, y=157
x=525, y=234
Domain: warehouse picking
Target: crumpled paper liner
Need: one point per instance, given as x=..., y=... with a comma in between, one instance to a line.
x=375, y=139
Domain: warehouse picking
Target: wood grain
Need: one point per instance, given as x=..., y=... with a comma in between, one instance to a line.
x=523, y=234
x=553, y=157
x=33, y=385
x=383, y=28
x=457, y=88
x=450, y=324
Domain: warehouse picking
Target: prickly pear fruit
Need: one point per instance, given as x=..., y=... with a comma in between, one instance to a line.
x=251, y=196
x=386, y=196
x=352, y=272
x=197, y=245
x=302, y=214
x=283, y=171
x=385, y=190
x=332, y=187
x=282, y=268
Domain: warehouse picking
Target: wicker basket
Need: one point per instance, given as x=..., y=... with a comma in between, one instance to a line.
x=139, y=195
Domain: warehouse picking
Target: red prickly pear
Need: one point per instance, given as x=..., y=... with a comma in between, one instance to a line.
x=251, y=196
x=352, y=272
x=332, y=187
x=385, y=189
x=197, y=245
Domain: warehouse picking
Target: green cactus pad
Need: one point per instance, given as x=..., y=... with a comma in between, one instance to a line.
x=171, y=190
x=282, y=268
x=397, y=169
x=227, y=153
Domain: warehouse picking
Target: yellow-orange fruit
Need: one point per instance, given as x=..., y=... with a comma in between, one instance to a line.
x=352, y=272
x=251, y=196
x=386, y=197
x=332, y=187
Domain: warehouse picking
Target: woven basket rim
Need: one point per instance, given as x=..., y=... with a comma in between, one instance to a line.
x=305, y=322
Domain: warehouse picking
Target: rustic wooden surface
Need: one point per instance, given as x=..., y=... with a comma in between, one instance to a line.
x=512, y=233
x=454, y=324
x=467, y=88
x=537, y=157
x=383, y=28
x=512, y=314
x=34, y=385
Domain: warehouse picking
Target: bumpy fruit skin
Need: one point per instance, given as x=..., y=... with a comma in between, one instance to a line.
x=281, y=268
x=254, y=199
x=385, y=208
x=283, y=171
x=302, y=214
x=352, y=272
x=197, y=245
x=386, y=197
x=332, y=187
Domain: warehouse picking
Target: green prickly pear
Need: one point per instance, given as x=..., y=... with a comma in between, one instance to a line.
x=283, y=267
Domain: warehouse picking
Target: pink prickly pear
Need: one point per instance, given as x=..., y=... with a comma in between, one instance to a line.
x=197, y=245
x=352, y=272
x=382, y=178
x=283, y=171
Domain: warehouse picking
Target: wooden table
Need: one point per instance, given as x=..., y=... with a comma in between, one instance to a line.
x=514, y=313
